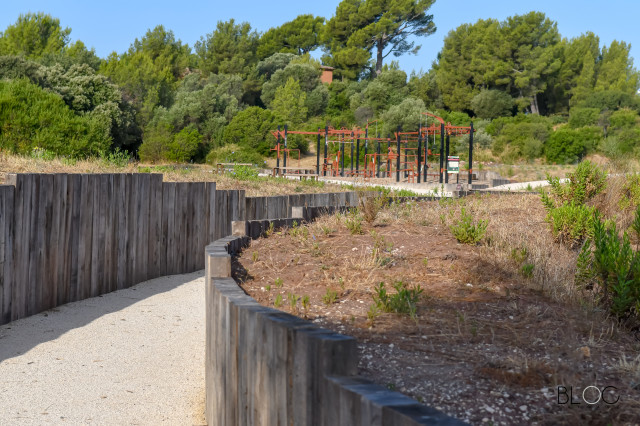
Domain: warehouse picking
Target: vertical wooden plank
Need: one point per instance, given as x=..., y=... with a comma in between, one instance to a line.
x=85, y=237
x=123, y=188
x=134, y=209
x=200, y=220
x=155, y=226
x=211, y=212
x=109, y=236
x=75, y=181
x=167, y=205
x=94, y=275
x=182, y=195
x=142, y=236
x=61, y=253
x=45, y=228
x=21, y=224
x=35, y=248
x=172, y=234
x=7, y=197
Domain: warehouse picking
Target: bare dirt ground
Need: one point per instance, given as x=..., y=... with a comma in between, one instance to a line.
x=489, y=343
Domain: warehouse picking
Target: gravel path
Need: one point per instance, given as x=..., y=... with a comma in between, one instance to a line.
x=132, y=357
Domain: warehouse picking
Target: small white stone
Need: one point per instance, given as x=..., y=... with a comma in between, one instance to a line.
x=469, y=285
x=489, y=409
x=523, y=408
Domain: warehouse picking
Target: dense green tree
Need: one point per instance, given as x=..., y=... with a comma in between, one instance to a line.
x=306, y=75
x=299, y=36
x=34, y=35
x=390, y=88
x=360, y=27
x=288, y=104
x=517, y=56
x=490, y=104
x=73, y=54
x=31, y=118
x=273, y=63
x=424, y=86
x=616, y=70
x=229, y=49
x=407, y=114
x=149, y=72
x=251, y=128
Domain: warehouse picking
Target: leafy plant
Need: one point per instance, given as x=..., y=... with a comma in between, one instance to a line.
x=466, y=230
x=370, y=206
x=353, y=222
x=278, y=282
x=527, y=270
x=293, y=300
x=278, y=301
x=403, y=301
x=608, y=265
x=245, y=173
x=571, y=223
x=330, y=297
x=305, y=303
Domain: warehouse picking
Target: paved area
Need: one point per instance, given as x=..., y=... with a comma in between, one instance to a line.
x=132, y=357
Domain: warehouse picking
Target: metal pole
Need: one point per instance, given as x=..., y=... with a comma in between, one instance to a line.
x=278, y=151
x=366, y=145
x=326, y=144
x=471, y=153
x=342, y=155
x=419, y=152
x=446, y=161
x=378, y=162
x=318, y=154
x=398, y=156
x=441, y=151
x=426, y=155
x=351, y=154
x=284, y=158
x=358, y=154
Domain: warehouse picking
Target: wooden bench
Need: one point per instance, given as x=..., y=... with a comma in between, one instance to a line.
x=228, y=167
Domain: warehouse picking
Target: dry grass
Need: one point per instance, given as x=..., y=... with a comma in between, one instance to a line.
x=171, y=173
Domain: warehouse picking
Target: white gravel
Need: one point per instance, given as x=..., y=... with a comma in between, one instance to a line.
x=132, y=357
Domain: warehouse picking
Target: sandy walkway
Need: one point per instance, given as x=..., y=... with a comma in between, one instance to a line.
x=135, y=356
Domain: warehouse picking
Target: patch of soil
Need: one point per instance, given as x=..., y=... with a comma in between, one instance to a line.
x=483, y=346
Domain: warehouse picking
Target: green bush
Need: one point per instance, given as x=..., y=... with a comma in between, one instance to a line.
x=244, y=173
x=609, y=266
x=570, y=219
x=251, y=129
x=234, y=154
x=580, y=117
x=568, y=145
x=466, y=230
x=491, y=104
x=31, y=117
x=403, y=301
x=571, y=223
x=623, y=118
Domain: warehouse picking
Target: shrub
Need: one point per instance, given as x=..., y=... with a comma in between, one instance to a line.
x=353, y=222
x=403, y=301
x=571, y=223
x=234, y=154
x=580, y=117
x=585, y=182
x=491, y=104
x=251, y=129
x=371, y=205
x=611, y=268
x=466, y=231
x=245, y=173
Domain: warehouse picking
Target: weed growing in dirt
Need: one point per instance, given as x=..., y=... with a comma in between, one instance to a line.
x=269, y=231
x=278, y=301
x=330, y=297
x=527, y=270
x=278, y=282
x=267, y=287
x=404, y=301
x=371, y=206
x=466, y=230
x=293, y=301
x=305, y=303
x=254, y=256
x=372, y=314
x=353, y=222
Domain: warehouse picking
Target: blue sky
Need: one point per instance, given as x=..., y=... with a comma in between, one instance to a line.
x=113, y=25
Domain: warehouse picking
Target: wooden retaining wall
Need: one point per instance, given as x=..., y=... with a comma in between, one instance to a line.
x=267, y=367
x=68, y=237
